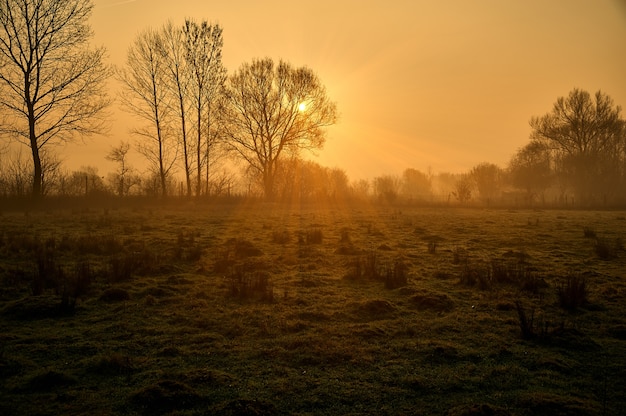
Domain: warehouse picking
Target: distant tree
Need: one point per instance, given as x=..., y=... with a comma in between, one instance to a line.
x=275, y=110
x=15, y=175
x=587, y=134
x=85, y=181
x=123, y=179
x=52, y=86
x=387, y=187
x=360, y=189
x=463, y=189
x=339, y=183
x=415, y=184
x=145, y=95
x=50, y=171
x=488, y=180
x=529, y=169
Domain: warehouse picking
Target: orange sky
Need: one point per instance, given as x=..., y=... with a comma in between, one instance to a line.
x=439, y=84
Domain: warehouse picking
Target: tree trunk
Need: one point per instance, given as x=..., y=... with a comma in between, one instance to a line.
x=37, y=172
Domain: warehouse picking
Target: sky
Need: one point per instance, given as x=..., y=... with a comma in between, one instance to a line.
x=441, y=85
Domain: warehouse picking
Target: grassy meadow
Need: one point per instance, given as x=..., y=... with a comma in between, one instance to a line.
x=251, y=308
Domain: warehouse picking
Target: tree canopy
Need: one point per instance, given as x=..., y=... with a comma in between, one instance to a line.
x=275, y=110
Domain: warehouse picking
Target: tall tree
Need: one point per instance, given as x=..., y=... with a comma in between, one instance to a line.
x=52, y=86
x=146, y=96
x=273, y=110
x=178, y=83
x=586, y=133
x=207, y=75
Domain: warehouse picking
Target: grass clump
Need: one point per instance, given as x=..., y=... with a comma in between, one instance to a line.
x=573, y=292
x=606, y=249
x=245, y=284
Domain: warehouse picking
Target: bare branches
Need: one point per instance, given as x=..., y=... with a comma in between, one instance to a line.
x=275, y=110
x=52, y=85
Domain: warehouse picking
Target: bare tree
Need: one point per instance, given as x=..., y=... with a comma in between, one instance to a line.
x=586, y=133
x=207, y=76
x=178, y=84
x=146, y=96
x=275, y=109
x=122, y=178
x=463, y=189
x=52, y=86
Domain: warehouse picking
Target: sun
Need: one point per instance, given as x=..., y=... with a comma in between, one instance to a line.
x=301, y=107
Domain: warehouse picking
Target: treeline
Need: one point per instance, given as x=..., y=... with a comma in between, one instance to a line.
x=205, y=132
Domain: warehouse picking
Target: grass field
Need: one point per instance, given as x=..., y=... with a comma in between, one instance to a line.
x=260, y=309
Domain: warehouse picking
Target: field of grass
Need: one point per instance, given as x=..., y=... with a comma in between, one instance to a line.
x=259, y=309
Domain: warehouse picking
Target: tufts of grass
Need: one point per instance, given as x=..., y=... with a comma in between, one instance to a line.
x=46, y=270
x=281, y=237
x=459, y=255
x=432, y=247
x=606, y=249
x=365, y=267
x=526, y=322
x=245, y=284
x=573, y=292
x=76, y=285
x=312, y=235
x=186, y=247
x=396, y=275
x=589, y=232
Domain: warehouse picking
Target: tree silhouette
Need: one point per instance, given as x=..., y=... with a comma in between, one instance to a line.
x=145, y=95
x=51, y=83
x=206, y=76
x=275, y=110
x=587, y=134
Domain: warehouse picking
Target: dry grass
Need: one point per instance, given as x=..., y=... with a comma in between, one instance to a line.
x=246, y=309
